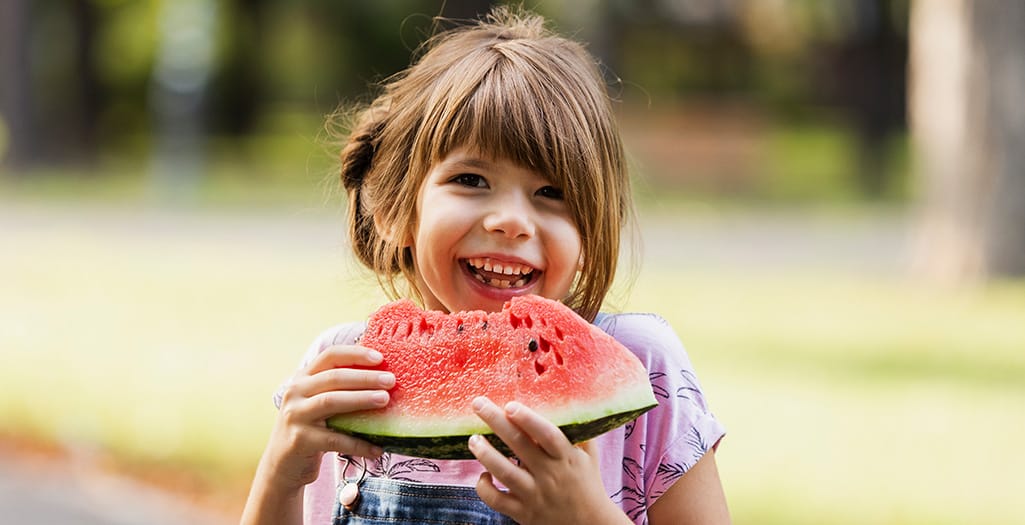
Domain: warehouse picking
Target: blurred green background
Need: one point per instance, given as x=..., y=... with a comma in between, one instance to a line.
x=173, y=236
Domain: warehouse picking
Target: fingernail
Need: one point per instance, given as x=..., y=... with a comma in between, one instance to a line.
x=478, y=403
x=512, y=407
x=379, y=398
x=475, y=440
x=374, y=356
x=386, y=380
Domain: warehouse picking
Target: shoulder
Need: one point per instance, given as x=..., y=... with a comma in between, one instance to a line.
x=652, y=339
x=632, y=327
x=340, y=334
x=649, y=336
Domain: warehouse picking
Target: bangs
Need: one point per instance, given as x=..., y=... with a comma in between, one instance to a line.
x=511, y=109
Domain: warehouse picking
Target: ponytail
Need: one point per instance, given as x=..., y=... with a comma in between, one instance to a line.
x=358, y=154
x=357, y=158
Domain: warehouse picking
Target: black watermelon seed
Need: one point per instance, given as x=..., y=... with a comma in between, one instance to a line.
x=532, y=345
x=484, y=326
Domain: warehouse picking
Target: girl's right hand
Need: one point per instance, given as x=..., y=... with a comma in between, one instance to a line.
x=326, y=387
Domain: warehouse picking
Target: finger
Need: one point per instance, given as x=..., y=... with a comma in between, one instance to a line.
x=502, y=502
x=344, y=356
x=517, y=441
x=327, y=404
x=517, y=479
x=344, y=379
x=541, y=431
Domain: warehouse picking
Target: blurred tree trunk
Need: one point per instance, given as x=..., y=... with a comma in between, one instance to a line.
x=83, y=141
x=968, y=124
x=872, y=68
x=50, y=111
x=238, y=86
x=16, y=100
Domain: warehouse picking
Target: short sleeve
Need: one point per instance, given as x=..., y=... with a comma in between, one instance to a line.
x=664, y=443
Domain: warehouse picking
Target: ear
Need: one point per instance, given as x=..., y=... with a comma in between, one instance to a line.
x=389, y=231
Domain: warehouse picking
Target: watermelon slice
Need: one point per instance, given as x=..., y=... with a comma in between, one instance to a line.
x=535, y=351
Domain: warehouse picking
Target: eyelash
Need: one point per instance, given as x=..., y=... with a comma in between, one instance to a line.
x=550, y=192
x=469, y=179
x=473, y=180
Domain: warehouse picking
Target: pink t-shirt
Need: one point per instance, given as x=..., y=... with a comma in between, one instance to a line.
x=639, y=461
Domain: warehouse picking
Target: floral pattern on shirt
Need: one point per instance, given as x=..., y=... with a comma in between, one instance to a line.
x=386, y=467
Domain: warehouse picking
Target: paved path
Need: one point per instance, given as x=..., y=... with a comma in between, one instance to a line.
x=779, y=242
x=41, y=491
x=698, y=239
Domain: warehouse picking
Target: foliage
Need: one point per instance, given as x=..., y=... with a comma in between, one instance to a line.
x=101, y=87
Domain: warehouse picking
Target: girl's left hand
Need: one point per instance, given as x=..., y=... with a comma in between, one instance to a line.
x=555, y=482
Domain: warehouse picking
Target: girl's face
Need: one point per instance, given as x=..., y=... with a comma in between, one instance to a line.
x=489, y=230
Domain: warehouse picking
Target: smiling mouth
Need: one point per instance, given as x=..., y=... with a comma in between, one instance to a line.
x=500, y=275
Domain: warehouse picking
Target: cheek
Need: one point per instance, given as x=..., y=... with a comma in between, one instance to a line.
x=569, y=247
x=438, y=233
x=439, y=222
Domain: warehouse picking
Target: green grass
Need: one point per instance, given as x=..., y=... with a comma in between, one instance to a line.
x=856, y=400
x=848, y=399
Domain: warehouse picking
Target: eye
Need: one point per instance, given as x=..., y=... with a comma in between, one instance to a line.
x=550, y=192
x=470, y=179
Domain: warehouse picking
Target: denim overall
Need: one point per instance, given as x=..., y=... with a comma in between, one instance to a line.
x=392, y=502
x=383, y=501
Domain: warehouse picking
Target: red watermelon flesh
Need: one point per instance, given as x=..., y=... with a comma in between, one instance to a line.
x=535, y=351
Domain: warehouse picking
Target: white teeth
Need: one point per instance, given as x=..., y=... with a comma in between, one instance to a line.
x=500, y=283
x=523, y=272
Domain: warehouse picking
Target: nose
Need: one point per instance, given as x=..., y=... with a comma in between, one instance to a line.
x=512, y=216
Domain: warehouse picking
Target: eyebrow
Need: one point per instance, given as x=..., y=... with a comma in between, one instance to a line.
x=468, y=163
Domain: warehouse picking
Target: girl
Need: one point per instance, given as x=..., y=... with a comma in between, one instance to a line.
x=491, y=168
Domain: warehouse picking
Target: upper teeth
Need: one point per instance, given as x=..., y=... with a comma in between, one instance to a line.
x=488, y=265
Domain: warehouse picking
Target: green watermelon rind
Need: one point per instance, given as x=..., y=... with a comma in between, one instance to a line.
x=561, y=413
x=446, y=438
x=454, y=446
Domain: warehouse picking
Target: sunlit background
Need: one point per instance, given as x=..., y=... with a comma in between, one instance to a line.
x=831, y=201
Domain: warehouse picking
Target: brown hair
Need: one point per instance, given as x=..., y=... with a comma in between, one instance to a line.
x=510, y=88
